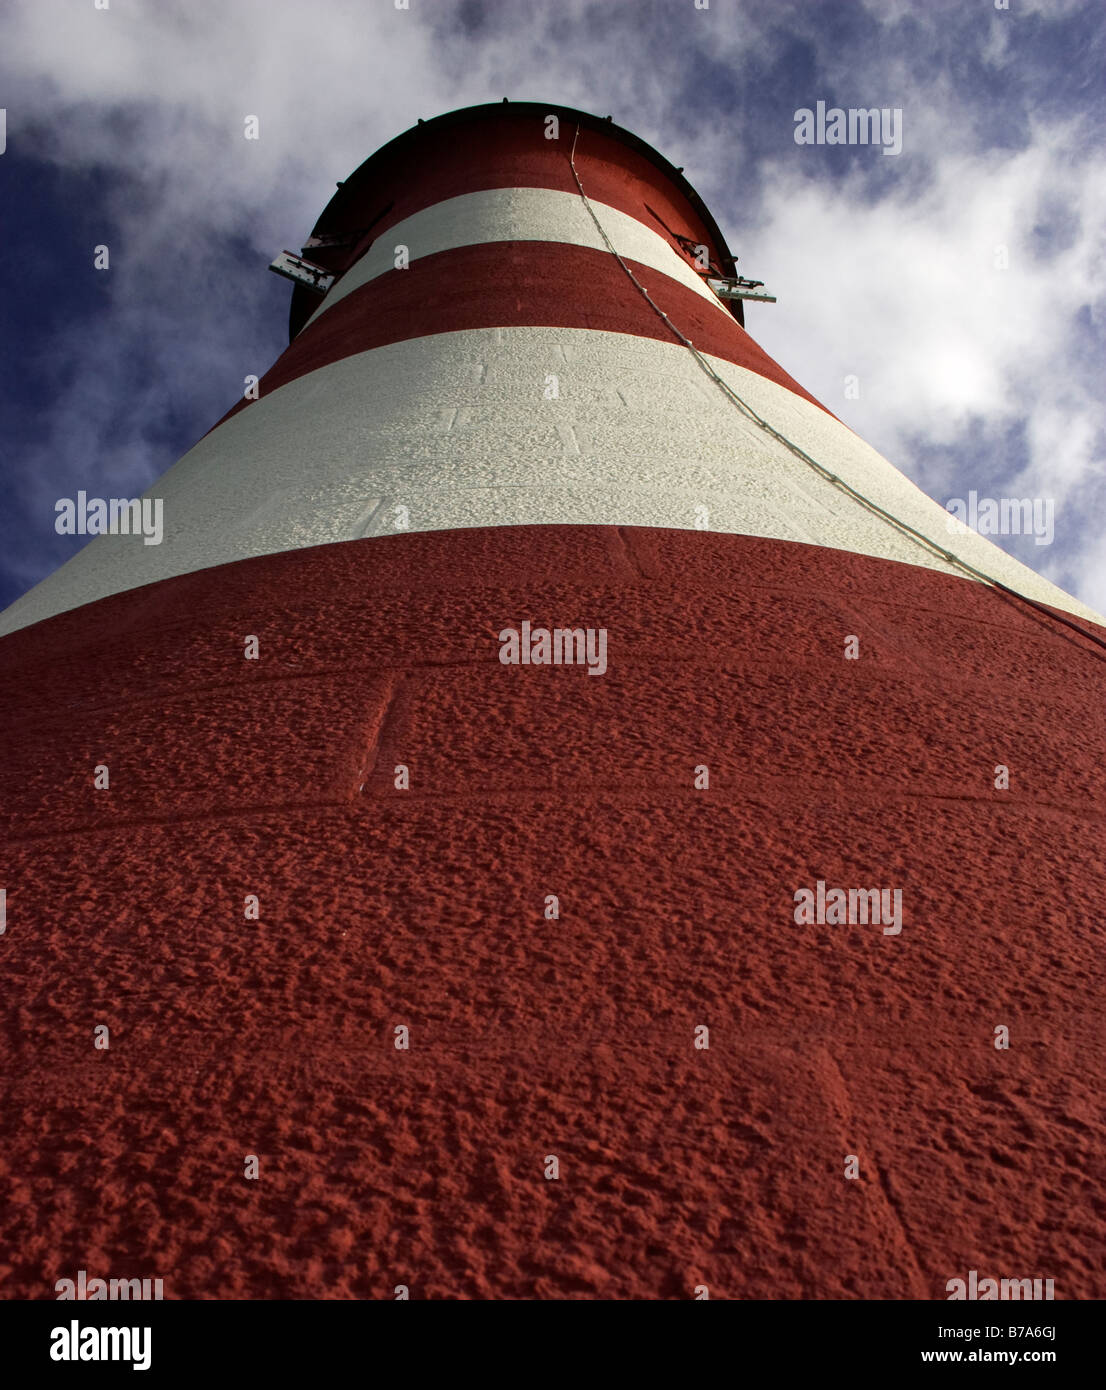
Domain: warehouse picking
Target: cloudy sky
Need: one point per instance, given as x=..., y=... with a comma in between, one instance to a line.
x=962, y=282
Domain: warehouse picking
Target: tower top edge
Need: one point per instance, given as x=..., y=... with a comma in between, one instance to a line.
x=351, y=191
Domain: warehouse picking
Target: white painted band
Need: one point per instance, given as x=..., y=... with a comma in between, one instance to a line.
x=516, y=214
x=454, y=430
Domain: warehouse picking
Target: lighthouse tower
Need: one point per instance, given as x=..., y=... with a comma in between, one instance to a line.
x=556, y=814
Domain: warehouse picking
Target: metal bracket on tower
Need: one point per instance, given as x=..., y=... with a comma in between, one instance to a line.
x=293, y=267
x=737, y=287
x=342, y=239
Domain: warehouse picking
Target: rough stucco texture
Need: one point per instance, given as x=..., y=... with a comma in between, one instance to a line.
x=529, y=1037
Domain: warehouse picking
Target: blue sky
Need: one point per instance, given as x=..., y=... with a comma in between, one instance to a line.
x=125, y=128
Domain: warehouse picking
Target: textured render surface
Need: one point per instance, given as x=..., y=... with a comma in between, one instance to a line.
x=532, y=1037
x=517, y=214
x=455, y=429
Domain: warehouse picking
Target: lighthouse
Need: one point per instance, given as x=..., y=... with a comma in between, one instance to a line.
x=546, y=810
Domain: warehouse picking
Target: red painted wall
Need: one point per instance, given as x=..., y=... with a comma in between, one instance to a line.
x=531, y=1037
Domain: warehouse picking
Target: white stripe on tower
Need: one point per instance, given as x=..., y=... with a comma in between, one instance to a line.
x=453, y=431
x=517, y=214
